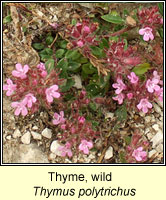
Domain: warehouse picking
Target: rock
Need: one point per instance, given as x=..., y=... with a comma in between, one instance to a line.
x=52, y=156
x=109, y=153
x=147, y=119
x=34, y=128
x=155, y=127
x=21, y=153
x=47, y=133
x=26, y=138
x=54, y=148
x=36, y=135
x=157, y=139
x=78, y=82
x=160, y=103
x=109, y=115
x=151, y=153
x=16, y=134
x=142, y=114
x=147, y=130
x=157, y=108
x=8, y=137
x=150, y=136
x=159, y=148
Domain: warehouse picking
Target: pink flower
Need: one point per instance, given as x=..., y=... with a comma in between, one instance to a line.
x=81, y=119
x=80, y=43
x=133, y=78
x=51, y=92
x=10, y=87
x=139, y=154
x=42, y=68
x=144, y=105
x=63, y=126
x=130, y=96
x=21, y=71
x=86, y=29
x=20, y=107
x=58, y=119
x=85, y=146
x=119, y=98
x=152, y=86
x=29, y=98
x=159, y=94
x=119, y=85
x=66, y=150
x=147, y=32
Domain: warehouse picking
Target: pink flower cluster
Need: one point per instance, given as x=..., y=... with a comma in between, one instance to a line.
x=75, y=133
x=137, y=150
x=150, y=19
x=82, y=33
x=120, y=60
x=137, y=92
x=30, y=88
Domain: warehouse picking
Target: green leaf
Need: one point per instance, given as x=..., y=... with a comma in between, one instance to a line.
x=72, y=54
x=93, y=89
x=126, y=44
x=113, y=19
x=122, y=157
x=83, y=60
x=70, y=82
x=160, y=6
x=69, y=97
x=121, y=113
x=62, y=64
x=74, y=22
x=141, y=69
x=63, y=44
x=127, y=140
x=49, y=39
x=88, y=68
x=160, y=31
x=104, y=43
x=92, y=106
x=50, y=65
x=7, y=19
x=46, y=54
x=38, y=46
x=96, y=51
x=73, y=66
x=59, y=53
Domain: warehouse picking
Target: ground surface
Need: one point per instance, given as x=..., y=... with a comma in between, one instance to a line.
x=23, y=138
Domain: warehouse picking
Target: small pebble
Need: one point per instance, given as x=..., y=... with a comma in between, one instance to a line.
x=26, y=138
x=34, y=128
x=36, y=135
x=54, y=148
x=109, y=153
x=109, y=115
x=155, y=127
x=8, y=137
x=151, y=153
x=157, y=139
x=159, y=148
x=47, y=133
x=157, y=108
x=16, y=133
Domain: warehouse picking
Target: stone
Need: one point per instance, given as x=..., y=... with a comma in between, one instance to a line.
x=47, y=133
x=155, y=127
x=54, y=148
x=150, y=136
x=26, y=138
x=16, y=134
x=157, y=139
x=147, y=119
x=157, y=108
x=22, y=153
x=34, y=128
x=142, y=114
x=159, y=148
x=36, y=136
x=151, y=153
x=109, y=115
x=8, y=137
x=109, y=153
x=78, y=82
